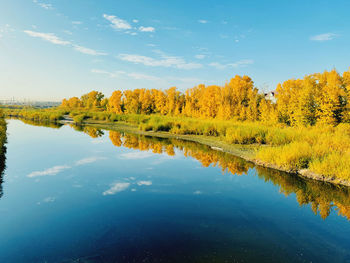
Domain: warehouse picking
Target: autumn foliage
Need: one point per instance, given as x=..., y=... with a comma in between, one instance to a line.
x=320, y=98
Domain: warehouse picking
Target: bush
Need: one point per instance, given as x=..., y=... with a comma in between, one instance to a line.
x=79, y=118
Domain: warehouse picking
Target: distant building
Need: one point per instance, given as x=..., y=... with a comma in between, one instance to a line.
x=271, y=96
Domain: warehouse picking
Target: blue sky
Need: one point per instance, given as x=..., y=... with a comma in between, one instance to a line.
x=55, y=49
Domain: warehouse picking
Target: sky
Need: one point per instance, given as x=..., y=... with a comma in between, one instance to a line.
x=50, y=50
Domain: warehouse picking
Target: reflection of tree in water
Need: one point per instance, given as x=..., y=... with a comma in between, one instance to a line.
x=2, y=168
x=322, y=197
x=41, y=123
x=91, y=131
x=3, y=139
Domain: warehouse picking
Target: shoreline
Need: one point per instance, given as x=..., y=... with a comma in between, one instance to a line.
x=245, y=152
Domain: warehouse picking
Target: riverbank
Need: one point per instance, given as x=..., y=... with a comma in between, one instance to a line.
x=317, y=152
x=246, y=152
x=3, y=137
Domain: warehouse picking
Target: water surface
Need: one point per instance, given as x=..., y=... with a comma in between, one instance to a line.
x=80, y=194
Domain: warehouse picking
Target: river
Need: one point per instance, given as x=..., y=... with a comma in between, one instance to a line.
x=81, y=194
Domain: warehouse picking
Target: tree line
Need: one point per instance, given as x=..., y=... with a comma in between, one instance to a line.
x=317, y=98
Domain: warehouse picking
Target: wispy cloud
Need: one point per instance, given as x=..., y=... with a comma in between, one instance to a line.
x=117, y=23
x=242, y=63
x=324, y=37
x=237, y=64
x=50, y=37
x=146, y=29
x=116, y=188
x=163, y=61
x=50, y=171
x=77, y=22
x=43, y=5
x=123, y=25
x=147, y=183
x=202, y=21
x=118, y=74
x=88, y=51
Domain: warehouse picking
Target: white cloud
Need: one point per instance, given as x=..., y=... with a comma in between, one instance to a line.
x=146, y=29
x=324, y=37
x=50, y=37
x=50, y=171
x=197, y=192
x=135, y=21
x=200, y=56
x=88, y=51
x=43, y=5
x=164, y=61
x=117, y=23
x=77, y=22
x=116, y=188
x=237, y=64
x=147, y=183
x=202, y=21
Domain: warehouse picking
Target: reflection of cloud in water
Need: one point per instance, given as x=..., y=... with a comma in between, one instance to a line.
x=88, y=160
x=59, y=168
x=197, y=192
x=50, y=171
x=116, y=188
x=144, y=183
x=48, y=199
x=136, y=155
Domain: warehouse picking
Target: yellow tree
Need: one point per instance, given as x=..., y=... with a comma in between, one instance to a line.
x=332, y=99
x=115, y=102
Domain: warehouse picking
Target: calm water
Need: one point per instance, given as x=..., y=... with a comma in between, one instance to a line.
x=99, y=196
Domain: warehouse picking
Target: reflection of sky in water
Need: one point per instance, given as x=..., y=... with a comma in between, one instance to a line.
x=68, y=196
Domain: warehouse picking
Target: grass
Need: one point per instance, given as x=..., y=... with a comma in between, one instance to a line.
x=38, y=115
x=323, y=150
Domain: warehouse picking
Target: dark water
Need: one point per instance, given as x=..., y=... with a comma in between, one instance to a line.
x=99, y=196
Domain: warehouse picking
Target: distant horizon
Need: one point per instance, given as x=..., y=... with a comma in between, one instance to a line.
x=52, y=50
